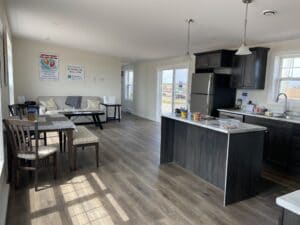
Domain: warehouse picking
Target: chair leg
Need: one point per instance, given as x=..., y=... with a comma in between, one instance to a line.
x=36, y=175
x=75, y=157
x=97, y=154
x=55, y=165
x=65, y=141
x=45, y=138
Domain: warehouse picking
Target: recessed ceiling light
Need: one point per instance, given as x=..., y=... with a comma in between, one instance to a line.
x=270, y=12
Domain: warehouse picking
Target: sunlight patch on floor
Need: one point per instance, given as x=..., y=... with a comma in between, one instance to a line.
x=99, y=181
x=117, y=207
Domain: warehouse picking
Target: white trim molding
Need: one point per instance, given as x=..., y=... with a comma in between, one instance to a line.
x=4, y=194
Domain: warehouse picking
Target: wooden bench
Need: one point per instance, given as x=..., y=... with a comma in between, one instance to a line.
x=83, y=137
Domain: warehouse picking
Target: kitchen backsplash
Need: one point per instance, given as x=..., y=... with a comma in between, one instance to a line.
x=260, y=98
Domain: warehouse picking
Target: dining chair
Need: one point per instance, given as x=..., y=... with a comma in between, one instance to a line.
x=26, y=152
x=21, y=111
x=16, y=110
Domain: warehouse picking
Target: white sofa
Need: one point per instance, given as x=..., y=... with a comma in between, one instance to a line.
x=61, y=106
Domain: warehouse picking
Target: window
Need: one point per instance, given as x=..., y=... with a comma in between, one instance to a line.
x=289, y=77
x=128, y=89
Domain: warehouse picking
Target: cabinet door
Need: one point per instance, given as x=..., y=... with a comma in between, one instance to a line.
x=180, y=142
x=277, y=141
x=294, y=159
x=249, y=78
x=202, y=61
x=214, y=60
x=237, y=72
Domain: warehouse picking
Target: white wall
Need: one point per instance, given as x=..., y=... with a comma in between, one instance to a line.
x=146, y=84
x=102, y=73
x=264, y=97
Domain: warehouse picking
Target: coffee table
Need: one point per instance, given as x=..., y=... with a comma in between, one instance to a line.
x=93, y=113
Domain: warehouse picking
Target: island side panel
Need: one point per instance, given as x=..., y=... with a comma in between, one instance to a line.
x=167, y=140
x=290, y=218
x=244, y=164
x=199, y=150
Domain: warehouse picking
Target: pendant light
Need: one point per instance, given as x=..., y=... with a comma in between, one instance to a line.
x=188, y=44
x=244, y=49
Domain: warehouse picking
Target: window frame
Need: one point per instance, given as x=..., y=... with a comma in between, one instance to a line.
x=278, y=71
x=127, y=85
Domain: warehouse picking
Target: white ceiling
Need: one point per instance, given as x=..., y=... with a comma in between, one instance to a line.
x=148, y=29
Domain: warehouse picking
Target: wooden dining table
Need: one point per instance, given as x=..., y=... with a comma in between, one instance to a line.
x=61, y=124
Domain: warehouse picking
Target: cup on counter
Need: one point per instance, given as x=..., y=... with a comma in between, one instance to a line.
x=178, y=112
x=183, y=114
x=197, y=116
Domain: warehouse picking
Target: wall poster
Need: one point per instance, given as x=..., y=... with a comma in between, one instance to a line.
x=75, y=72
x=48, y=67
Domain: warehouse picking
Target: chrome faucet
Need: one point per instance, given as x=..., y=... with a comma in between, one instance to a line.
x=285, y=103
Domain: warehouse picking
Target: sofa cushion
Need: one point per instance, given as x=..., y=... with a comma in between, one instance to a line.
x=93, y=104
x=49, y=104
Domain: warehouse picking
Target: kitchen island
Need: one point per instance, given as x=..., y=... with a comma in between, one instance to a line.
x=230, y=159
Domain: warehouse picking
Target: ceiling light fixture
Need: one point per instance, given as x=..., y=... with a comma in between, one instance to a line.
x=269, y=12
x=244, y=49
x=188, y=44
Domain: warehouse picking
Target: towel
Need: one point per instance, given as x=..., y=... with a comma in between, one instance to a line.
x=74, y=101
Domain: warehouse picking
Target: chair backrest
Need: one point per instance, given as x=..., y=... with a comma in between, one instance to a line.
x=19, y=133
x=15, y=110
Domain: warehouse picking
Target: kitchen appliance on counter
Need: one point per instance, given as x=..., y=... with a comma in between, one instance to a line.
x=211, y=91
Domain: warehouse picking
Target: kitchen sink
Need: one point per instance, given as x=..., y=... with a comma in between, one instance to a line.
x=288, y=115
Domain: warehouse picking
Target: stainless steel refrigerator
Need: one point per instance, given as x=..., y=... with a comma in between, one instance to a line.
x=210, y=92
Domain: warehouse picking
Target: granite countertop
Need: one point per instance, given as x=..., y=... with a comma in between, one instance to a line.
x=290, y=202
x=241, y=112
x=215, y=125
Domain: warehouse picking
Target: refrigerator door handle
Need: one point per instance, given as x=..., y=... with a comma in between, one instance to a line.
x=208, y=104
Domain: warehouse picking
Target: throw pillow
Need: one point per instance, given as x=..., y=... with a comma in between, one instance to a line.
x=49, y=104
x=93, y=104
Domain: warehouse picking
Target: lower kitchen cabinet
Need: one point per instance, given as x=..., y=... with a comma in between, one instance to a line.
x=282, y=143
x=278, y=140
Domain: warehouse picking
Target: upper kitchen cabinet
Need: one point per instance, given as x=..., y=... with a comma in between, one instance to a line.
x=249, y=71
x=214, y=59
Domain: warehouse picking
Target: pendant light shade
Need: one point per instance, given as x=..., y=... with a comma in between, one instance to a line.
x=244, y=49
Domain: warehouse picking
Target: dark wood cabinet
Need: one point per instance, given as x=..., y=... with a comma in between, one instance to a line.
x=180, y=139
x=249, y=71
x=277, y=140
x=215, y=59
x=282, y=141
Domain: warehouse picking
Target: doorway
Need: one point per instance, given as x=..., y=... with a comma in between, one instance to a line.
x=173, y=91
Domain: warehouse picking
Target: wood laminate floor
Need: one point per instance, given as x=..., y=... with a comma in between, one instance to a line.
x=130, y=187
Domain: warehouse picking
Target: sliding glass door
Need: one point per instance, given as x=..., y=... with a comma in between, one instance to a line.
x=174, y=89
